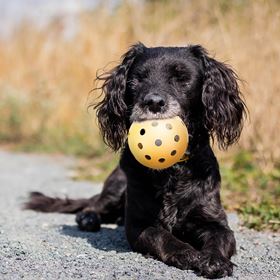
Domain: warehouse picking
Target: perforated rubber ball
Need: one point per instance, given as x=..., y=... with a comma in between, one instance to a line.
x=158, y=144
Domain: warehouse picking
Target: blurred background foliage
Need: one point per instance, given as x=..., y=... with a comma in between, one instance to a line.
x=46, y=77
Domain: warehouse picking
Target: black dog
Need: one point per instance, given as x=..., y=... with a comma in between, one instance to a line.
x=174, y=214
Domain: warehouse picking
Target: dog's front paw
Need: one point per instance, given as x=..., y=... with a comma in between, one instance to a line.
x=88, y=221
x=214, y=265
x=183, y=259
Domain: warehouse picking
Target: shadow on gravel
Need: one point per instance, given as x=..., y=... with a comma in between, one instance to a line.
x=107, y=239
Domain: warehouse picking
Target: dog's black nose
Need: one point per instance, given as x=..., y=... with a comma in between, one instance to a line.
x=154, y=102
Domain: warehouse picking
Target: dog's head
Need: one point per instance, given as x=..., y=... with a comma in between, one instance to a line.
x=154, y=83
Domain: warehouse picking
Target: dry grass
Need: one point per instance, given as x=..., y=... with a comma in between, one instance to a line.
x=45, y=79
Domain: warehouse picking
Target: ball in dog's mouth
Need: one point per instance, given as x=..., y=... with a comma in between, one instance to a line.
x=160, y=143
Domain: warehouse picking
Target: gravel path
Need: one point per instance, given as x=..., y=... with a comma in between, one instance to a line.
x=49, y=246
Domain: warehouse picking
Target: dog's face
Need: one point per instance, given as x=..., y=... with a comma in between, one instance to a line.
x=157, y=83
x=164, y=83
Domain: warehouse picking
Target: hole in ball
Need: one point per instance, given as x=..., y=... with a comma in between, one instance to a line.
x=173, y=153
x=158, y=142
x=154, y=123
x=161, y=160
x=140, y=146
x=168, y=126
x=142, y=131
x=147, y=157
x=176, y=138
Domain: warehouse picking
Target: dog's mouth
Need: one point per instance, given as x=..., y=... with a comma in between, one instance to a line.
x=144, y=116
x=138, y=114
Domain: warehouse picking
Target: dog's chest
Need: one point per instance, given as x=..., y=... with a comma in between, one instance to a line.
x=176, y=197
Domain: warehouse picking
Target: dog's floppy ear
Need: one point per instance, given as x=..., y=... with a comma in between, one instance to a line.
x=224, y=109
x=111, y=110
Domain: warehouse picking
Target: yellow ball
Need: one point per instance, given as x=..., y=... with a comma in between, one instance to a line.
x=158, y=144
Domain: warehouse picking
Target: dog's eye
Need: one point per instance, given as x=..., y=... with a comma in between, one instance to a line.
x=179, y=74
x=137, y=79
x=179, y=70
x=181, y=80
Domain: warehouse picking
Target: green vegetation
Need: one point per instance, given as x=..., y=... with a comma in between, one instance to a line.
x=251, y=191
x=97, y=168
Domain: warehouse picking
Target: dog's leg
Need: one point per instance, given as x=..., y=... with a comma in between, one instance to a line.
x=146, y=236
x=219, y=246
x=108, y=207
x=217, y=240
x=161, y=244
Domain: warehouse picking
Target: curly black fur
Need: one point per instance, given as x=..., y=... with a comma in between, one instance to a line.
x=111, y=111
x=174, y=214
